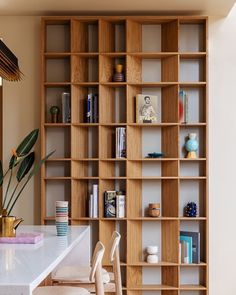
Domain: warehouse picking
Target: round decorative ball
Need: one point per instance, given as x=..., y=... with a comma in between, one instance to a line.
x=190, y=210
x=54, y=110
x=152, y=249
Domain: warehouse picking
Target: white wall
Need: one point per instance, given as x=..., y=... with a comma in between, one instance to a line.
x=21, y=101
x=21, y=109
x=222, y=154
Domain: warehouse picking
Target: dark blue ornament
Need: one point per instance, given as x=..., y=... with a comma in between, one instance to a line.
x=190, y=210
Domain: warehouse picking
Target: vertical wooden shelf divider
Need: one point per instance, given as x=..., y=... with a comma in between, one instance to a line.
x=162, y=55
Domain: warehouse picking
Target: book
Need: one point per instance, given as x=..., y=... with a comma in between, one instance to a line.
x=66, y=107
x=95, y=200
x=120, y=206
x=110, y=204
x=91, y=205
x=188, y=240
x=184, y=252
x=89, y=108
x=120, y=142
x=146, y=108
x=195, y=244
x=95, y=108
x=183, y=107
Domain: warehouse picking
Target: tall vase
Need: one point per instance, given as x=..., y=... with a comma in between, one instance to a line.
x=192, y=146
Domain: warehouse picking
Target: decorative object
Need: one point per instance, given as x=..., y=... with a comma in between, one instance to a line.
x=152, y=252
x=54, y=111
x=191, y=146
x=190, y=210
x=23, y=238
x=146, y=108
x=155, y=155
x=62, y=218
x=23, y=159
x=183, y=107
x=118, y=76
x=154, y=210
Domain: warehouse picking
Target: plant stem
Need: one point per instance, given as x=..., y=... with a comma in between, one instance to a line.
x=18, y=195
x=12, y=195
x=8, y=185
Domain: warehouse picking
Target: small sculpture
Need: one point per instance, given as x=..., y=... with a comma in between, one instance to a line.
x=119, y=76
x=191, y=146
x=152, y=252
x=54, y=110
x=154, y=209
x=155, y=155
x=190, y=210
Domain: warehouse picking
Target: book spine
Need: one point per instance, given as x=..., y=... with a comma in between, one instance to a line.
x=184, y=252
x=186, y=113
x=110, y=204
x=120, y=206
x=91, y=205
x=89, y=108
x=95, y=108
x=66, y=112
x=95, y=198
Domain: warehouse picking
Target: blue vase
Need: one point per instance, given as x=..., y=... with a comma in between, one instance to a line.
x=192, y=146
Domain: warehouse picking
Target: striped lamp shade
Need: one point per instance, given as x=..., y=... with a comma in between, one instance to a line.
x=9, y=69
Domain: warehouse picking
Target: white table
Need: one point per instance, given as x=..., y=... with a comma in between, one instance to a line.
x=24, y=267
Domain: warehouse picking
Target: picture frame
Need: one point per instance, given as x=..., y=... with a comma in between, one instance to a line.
x=146, y=108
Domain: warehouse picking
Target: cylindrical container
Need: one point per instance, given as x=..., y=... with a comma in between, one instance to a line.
x=152, y=259
x=62, y=218
x=154, y=210
x=152, y=249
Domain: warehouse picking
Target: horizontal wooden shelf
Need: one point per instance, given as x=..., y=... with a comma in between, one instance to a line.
x=190, y=55
x=114, y=84
x=58, y=178
x=85, y=54
x=56, y=55
x=192, y=84
x=57, y=125
x=152, y=288
x=161, y=263
x=154, y=84
x=114, y=54
x=58, y=160
x=161, y=218
x=56, y=84
x=192, y=287
x=153, y=55
x=85, y=84
x=113, y=159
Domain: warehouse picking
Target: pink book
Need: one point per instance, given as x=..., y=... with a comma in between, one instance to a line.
x=23, y=238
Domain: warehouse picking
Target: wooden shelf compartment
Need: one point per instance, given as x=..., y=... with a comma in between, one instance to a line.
x=192, y=70
x=152, y=70
x=57, y=36
x=57, y=70
x=163, y=234
x=152, y=36
x=85, y=169
x=193, y=276
x=113, y=100
x=84, y=69
x=53, y=97
x=84, y=36
x=112, y=36
x=190, y=169
x=141, y=141
x=85, y=142
x=193, y=191
x=112, y=169
x=58, y=138
x=167, y=103
x=107, y=67
x=79, y=101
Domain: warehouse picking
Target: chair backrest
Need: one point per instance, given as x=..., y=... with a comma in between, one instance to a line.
x=115, y=260
x=96, y=268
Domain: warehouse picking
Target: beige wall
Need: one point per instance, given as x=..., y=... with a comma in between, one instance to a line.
x=21, y=101
x=21, y=114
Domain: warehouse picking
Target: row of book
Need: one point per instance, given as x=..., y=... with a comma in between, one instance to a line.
x=189, y=247
x=114, y=204
x=92, y=108
x=120, y=142
x=93, y=202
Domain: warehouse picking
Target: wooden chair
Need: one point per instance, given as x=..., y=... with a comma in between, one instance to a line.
x=95, y=276
x=80, y=276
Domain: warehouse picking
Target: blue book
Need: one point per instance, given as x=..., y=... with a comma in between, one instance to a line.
x=188, y=240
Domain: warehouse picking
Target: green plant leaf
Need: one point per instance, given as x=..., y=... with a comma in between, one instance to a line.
x=25, y=146
x=39, y=164
x=1, y=174
x=25, y=166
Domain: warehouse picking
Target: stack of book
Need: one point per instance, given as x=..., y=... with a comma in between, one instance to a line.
x=183, y=107
x=93, y=202
x=114, y=204
x=189, y=247
x=92, y=108
x=120, y=142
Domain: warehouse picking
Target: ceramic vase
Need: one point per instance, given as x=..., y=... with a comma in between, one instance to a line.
x=119, y=76
x=192, y=146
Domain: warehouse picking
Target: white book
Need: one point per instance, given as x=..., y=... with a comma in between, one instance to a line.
x=117, y=142
x=120, y=206
x=91, y=205
x=184, y=252
x=66, y=112
x=95, y=200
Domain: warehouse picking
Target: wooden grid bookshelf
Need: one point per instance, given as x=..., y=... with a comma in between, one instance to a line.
x=161, y=55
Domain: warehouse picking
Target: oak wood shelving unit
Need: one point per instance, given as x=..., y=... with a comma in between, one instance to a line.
x=161, y=55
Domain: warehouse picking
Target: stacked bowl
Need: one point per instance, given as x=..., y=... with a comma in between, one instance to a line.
x=62, y=218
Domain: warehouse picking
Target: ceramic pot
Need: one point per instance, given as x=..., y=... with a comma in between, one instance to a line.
x=154, y=210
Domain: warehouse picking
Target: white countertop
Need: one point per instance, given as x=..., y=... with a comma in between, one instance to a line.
x=27, y=265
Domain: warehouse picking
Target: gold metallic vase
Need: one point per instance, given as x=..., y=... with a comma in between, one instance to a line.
x=8, y=226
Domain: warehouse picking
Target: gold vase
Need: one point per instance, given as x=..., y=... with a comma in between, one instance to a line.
x=8, y=225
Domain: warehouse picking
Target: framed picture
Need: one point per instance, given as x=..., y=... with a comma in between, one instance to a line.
x=146, y=108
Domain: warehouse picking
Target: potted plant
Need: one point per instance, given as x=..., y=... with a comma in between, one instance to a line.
x=22, y=168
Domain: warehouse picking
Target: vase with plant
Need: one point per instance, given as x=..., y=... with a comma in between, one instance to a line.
x=20, y=170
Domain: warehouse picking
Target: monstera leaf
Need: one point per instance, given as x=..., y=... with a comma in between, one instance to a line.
x=24, y=147
x=25, y=166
